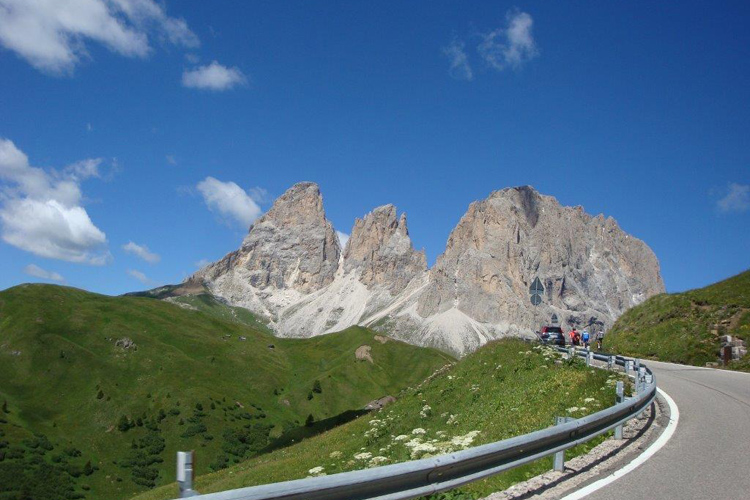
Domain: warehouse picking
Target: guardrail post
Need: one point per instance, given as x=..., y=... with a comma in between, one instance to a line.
x=637, y=364
x=641, y=379
x=611, y=363
x=588, y=357
x=620, y=391
x=558, y=462
x=571, y=353
x=185, y=461
x=628, y=366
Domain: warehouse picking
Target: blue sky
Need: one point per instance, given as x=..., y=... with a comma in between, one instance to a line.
x=172, y=125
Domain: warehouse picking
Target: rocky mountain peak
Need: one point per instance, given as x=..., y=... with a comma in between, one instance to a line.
x=288, y=269
x=292, y=246
x=591, y=270
x=381, y=250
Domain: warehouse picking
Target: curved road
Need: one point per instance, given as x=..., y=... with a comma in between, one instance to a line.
x=709, y=454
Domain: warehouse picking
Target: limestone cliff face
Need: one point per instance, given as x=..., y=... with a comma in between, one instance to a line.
x=479, y=288
x=292, y=249
x=380, y=250
x=290, y=268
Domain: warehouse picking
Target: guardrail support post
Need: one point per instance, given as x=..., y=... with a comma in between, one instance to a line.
x=641, y=379
x=611, y=363
x=628, y=366
x=185, y=461
x=620, y=390
x=558, y=462
x=588, y=357
x=571, y=353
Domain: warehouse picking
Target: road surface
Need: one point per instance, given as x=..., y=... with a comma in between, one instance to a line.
x=709, y=454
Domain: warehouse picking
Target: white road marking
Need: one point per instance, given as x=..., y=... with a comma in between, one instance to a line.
x=674, y=417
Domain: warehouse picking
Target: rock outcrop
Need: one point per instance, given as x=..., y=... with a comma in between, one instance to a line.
x=289, y=252
x=290, y=268
x=380, y=251
x=479, y=288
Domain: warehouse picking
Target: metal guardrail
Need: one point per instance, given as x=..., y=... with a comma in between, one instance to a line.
x=432, y=475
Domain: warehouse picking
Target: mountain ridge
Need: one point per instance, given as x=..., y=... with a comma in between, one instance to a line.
x=292, y=269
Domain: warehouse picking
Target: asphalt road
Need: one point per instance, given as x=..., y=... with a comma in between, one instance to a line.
x=709, y=454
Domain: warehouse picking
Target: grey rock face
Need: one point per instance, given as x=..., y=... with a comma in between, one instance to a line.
x=591, y=270
x=292, y=246
x=380, y=250
x=288, y=269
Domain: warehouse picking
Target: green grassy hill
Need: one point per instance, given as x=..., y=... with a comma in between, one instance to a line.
x=100, y=392
x=684, y=327
x=504, y=389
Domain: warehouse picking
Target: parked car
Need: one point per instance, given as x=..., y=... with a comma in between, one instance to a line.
x=552, y=335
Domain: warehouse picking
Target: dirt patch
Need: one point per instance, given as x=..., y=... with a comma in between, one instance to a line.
x=381, y=339
x=363, y=353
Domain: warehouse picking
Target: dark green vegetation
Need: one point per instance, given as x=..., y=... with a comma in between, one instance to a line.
x=685, y=327
x=102, y=391
x=505, y=389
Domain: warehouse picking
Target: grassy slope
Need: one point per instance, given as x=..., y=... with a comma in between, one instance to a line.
x=678, y=327
x=68, y=358
x=502, y=390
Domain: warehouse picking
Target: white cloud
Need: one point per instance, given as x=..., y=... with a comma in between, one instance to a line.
x=737, y=198
x=171, y=160
x=38, y=272
x=259, y=195
x=229, y=200
x=140, y=277
x=213, y=77
x=141, y=251
x=460, y=68
x=509, y=46
x=52, y=35
x=202, y=263
x=343, y=238
x=41, y=211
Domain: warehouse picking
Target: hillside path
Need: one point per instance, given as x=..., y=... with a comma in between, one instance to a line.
x=709, y=453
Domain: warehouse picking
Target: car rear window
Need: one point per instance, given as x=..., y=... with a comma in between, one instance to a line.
x=553, y=329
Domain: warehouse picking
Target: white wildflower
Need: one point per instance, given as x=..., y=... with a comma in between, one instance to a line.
x=336, y=454
x=452, y=420
x=418, y=431
x=378, y=460
x=363, y=456
x=316, y=471
x=401, y=437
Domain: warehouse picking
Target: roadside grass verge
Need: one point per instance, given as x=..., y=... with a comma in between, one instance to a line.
x=505, y=389
x=685, y=327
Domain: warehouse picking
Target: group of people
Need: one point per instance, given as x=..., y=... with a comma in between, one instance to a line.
x=584, y=338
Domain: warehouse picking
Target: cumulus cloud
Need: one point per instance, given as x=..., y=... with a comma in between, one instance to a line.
x=41, y=212
x=38, y=272
x=511, y=45
x=460, y=68
x=343, y=238
x=737, y=198
x=53, y=35
x=214, y=77
x=140, y=277
x=142, y=252
x=229, y=200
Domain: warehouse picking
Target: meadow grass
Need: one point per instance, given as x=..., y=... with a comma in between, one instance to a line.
x=685, y=327
x=202, y=380
x=505, y=389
